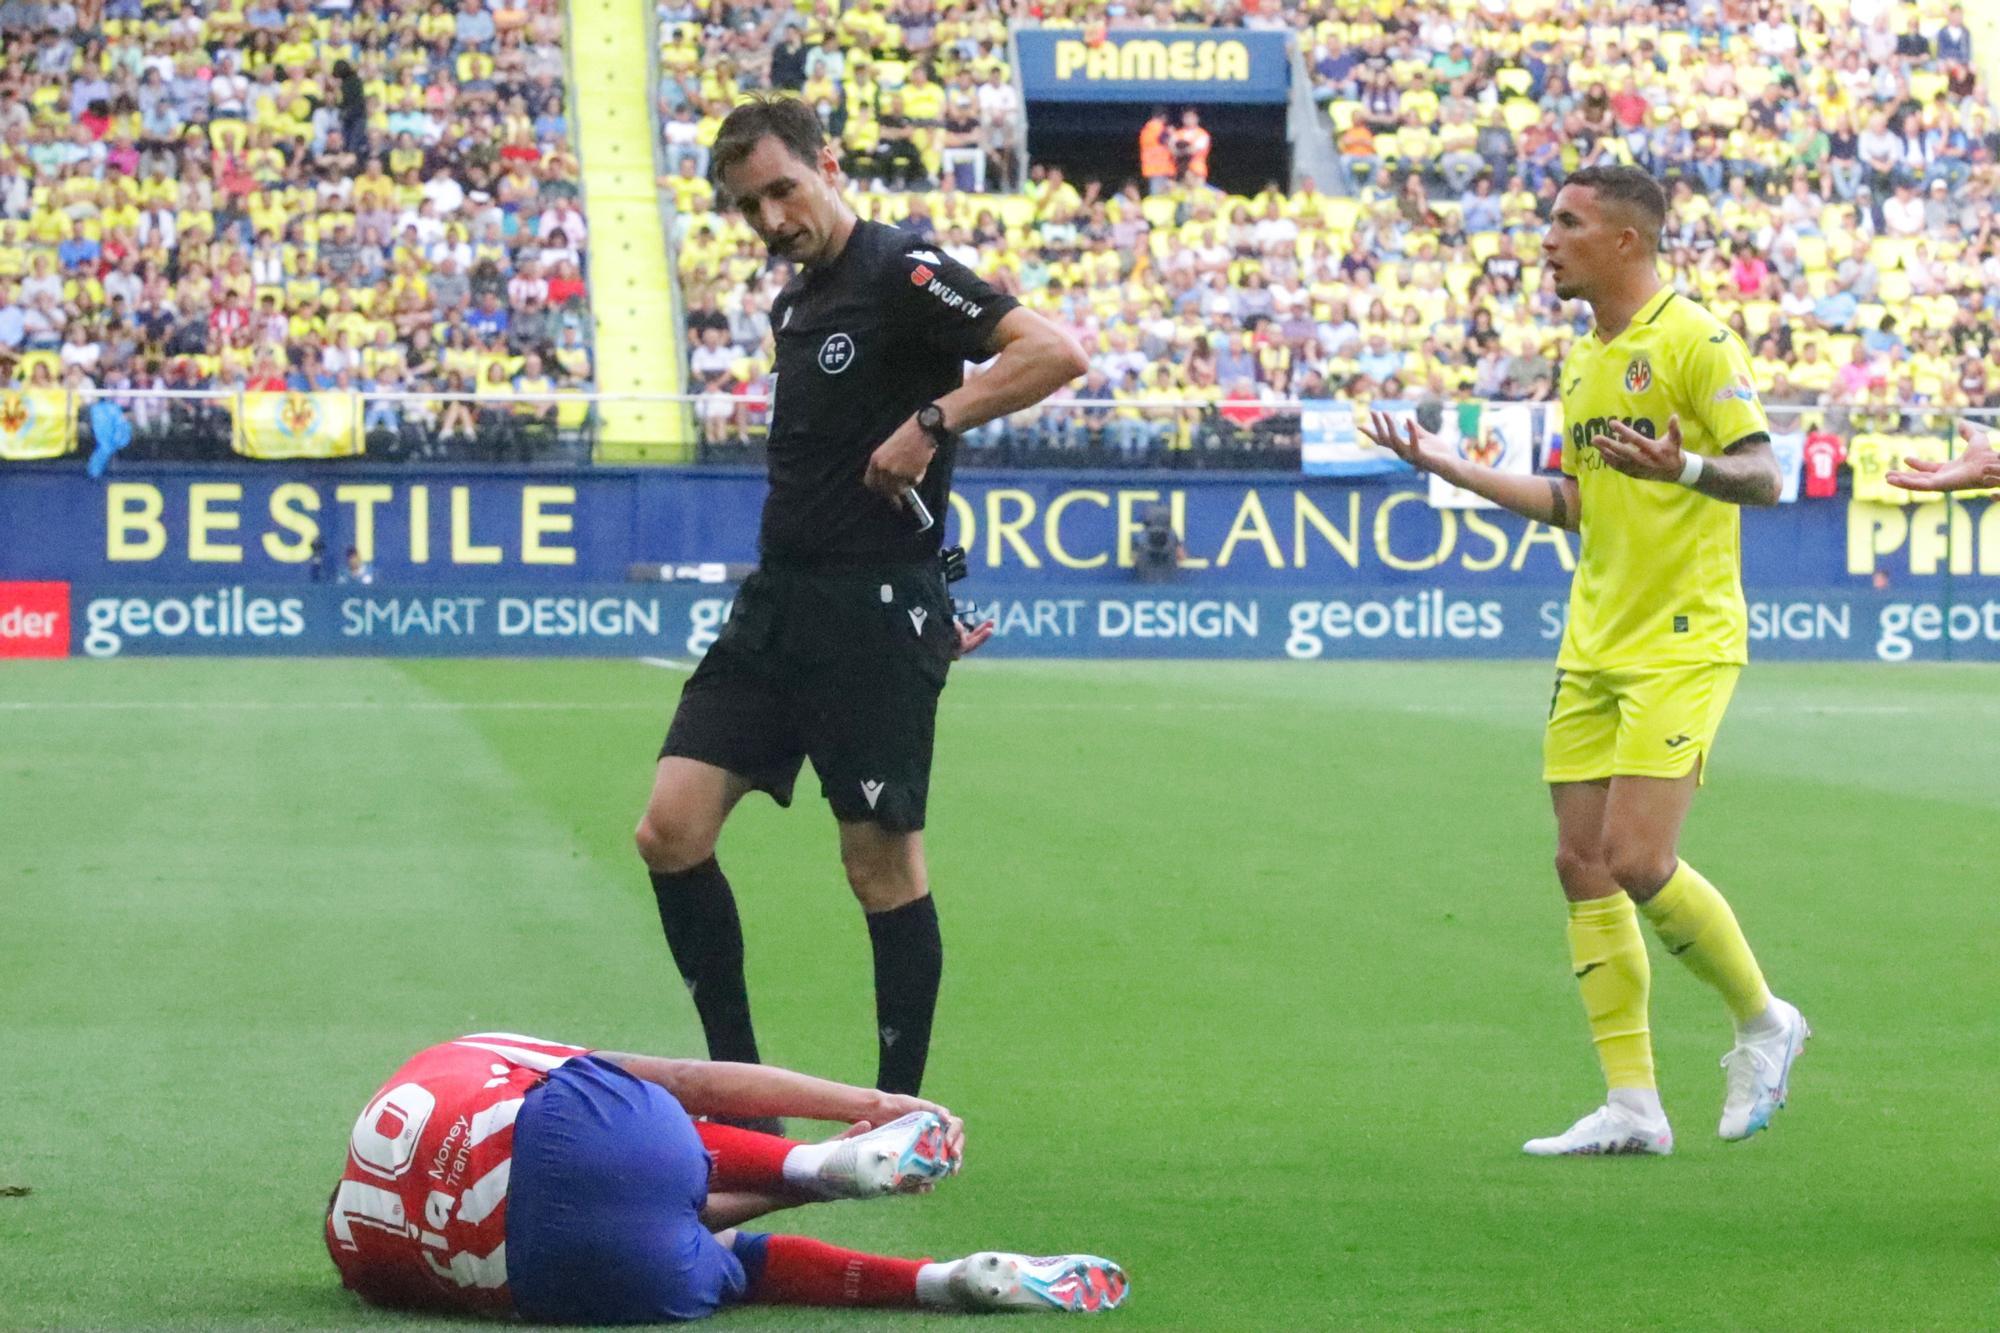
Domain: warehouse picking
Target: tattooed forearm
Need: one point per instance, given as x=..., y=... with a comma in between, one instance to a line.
x=1747, y=474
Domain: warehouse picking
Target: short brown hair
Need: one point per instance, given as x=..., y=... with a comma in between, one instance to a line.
x=1631, y=187
x=780, y=116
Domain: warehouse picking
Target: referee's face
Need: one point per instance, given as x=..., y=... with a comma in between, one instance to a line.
x=793, y=206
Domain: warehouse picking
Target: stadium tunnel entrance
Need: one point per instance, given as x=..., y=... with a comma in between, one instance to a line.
x=1100, y=141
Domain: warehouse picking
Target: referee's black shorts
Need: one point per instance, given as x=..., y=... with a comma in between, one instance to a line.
x=841, y=665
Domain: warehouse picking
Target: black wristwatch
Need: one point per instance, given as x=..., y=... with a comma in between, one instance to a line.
x=930, y=420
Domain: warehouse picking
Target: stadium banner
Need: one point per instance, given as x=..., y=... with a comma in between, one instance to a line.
x=281, y=523
x=34, y=620
x=1500, y=435
x=36, y=424
x=1330, y=446
x=1154, y=65
x=678, y=623
x=298, y=425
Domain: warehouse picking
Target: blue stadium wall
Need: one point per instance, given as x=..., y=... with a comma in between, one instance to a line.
x=219, y=560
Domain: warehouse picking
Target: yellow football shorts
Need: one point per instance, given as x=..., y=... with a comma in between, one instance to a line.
x=1648, y=722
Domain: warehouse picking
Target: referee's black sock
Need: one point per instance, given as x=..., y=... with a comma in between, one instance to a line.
x=698, y=912
x=909, y=959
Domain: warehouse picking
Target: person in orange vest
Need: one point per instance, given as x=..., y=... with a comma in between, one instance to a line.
x=1190, y=147
x=1156, y=160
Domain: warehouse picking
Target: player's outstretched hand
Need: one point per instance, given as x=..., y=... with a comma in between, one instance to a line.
x=1626, y=450
x=899, y=462
x=970, y=637
x=1412, y=443
x=1975, y=469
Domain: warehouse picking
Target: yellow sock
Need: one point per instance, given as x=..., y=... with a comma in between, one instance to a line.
x=1609, y=957
x=1696, y=925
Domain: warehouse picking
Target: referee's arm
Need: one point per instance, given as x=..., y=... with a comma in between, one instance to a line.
x=1034, y=357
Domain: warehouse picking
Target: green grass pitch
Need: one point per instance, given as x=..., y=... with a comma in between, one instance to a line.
x=1255, y=980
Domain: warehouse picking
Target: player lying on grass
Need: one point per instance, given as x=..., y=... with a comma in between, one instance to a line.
x=1976, y=469
x=505, y=1175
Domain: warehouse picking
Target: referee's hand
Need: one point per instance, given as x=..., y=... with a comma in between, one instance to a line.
x=899, y=462
x=970, y=637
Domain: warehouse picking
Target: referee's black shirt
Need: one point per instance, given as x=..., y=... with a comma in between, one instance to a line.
x=863, y=342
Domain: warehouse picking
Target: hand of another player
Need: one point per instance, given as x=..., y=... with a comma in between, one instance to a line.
x=1626, y=450
x=970, y=637
x=900, y=461
x=1975, y=469
x=1413, y=444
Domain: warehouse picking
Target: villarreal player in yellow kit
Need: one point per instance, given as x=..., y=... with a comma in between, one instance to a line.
x=1664, y=439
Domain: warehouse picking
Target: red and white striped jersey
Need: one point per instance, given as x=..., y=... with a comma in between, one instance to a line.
x=420, y=1217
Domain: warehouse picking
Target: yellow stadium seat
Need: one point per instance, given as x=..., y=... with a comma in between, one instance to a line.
x=1342, y=114
x=1485, y=245
x=1758, y=316
x=1894, y=288
x=1520, y=115
x=1514, y=82
x=1888, y=251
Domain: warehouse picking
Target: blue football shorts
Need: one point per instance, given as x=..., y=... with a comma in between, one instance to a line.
x=604, y=1202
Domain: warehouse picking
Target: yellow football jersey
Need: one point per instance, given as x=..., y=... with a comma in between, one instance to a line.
x=1659, y=576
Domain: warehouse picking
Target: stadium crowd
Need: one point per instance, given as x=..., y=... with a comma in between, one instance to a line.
x=1832, y=168
x=289, y=195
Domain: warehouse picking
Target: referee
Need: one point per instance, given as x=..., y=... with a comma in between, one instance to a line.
x=839, y=643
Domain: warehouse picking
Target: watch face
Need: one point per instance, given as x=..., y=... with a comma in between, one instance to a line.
x=931, y=417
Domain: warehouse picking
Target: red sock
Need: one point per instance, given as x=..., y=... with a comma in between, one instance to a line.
x=744, y=1159
x=801, y=1271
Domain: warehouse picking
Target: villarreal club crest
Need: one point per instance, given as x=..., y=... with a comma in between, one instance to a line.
x=1638, y=375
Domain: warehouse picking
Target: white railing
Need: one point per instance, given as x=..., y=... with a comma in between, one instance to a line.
x=1073, y=429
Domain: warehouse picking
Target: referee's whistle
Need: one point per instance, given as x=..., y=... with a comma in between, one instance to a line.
x=920, y=511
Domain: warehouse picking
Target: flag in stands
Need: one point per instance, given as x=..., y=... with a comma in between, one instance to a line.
x=299, y=425
x=36, y=423
x=1498, y=435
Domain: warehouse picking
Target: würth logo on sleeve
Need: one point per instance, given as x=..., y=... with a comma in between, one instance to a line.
x=952, y=299
x=34, y=620
x=1639, y=375
x=920, y=275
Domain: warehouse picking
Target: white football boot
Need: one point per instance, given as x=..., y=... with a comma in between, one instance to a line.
x=1609, y=1131
x=905, y=1156
x=1758, y=1072
x=1063, y=1283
